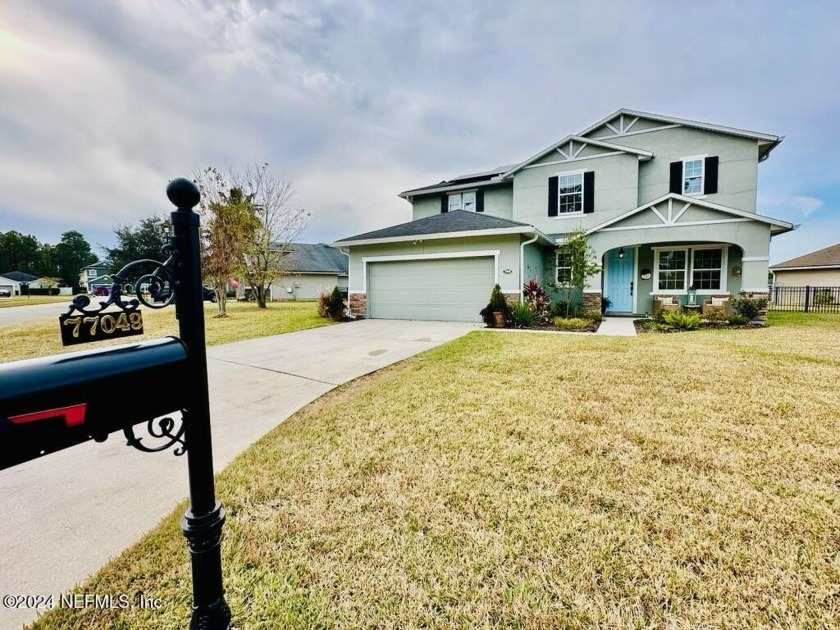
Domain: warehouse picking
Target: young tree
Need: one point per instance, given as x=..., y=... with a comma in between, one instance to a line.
x=278, y=222
x=574, y=261
x=228, y=224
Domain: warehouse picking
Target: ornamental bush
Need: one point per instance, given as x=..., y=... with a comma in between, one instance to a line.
x=522, y=315
x=747, y=306
x=331, y=304
x=497, y=304
x=682, y=321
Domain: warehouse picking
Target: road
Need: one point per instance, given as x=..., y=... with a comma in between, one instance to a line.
x=30, y=313
x=67, y=514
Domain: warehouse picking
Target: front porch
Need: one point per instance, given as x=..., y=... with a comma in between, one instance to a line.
x=634, y=275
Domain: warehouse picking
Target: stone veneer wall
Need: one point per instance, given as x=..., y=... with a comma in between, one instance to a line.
x=592, y=302
x=358, y=304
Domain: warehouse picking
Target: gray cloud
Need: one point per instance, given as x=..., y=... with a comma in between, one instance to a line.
x=103, y=102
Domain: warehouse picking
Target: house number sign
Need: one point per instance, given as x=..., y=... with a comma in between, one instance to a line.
x=81, y=328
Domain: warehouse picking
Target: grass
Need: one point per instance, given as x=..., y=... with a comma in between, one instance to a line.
x=534, y=481
x=244, y=321
x=28, y=300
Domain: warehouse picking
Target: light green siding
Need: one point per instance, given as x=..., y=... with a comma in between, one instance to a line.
x=737, y=169
x=506, y=246
x=534, y=258
x=616, y=192
x=498, y=201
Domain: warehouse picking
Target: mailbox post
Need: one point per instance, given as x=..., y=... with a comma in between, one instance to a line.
x=202, y=524
x=56, y=402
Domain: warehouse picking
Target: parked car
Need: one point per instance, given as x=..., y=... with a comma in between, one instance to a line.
x=5, y=293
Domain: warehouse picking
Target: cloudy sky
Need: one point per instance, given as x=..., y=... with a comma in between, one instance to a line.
x=101, y=103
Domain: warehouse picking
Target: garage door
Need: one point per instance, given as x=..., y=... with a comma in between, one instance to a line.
x=446, y=289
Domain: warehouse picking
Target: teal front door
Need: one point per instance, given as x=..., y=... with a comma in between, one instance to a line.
x=619, y=280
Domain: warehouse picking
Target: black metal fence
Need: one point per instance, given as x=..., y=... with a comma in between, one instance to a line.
x=805, y=299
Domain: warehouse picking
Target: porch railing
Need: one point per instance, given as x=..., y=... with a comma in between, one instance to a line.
x=806, y=299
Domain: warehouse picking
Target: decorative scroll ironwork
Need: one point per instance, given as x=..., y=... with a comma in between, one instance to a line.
x=160, y=429
x=159, y=285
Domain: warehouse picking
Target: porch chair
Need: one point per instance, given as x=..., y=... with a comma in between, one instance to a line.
x=717, y=306
x=664, y=303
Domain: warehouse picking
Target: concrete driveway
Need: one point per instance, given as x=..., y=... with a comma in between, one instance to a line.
x=65, y=515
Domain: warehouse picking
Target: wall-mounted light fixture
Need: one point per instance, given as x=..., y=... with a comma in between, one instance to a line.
x=736, y=271
x=507, y=271
x=621, y=252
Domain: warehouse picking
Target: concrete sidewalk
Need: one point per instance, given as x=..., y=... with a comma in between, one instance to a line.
x=617, y=327
x=67, y=514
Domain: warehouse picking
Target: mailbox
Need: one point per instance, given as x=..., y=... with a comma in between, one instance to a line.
x=51, y=403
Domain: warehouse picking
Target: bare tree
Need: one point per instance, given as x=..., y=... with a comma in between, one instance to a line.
x=279, y=224
x=251, y=223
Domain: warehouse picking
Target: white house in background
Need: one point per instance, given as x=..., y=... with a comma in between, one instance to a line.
x=667, y=204
x=11, y=280
x=311, y=269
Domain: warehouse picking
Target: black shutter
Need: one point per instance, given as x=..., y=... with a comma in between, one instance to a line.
x=710, y=178
x=589, y=192
x=552, y=196
x=479, y=201
x=444, y=203
x=676, y=178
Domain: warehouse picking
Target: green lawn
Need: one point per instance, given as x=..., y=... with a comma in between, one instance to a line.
x=244, y=321
x=535, y=481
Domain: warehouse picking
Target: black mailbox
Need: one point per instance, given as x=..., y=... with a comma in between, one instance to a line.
x=54, y=402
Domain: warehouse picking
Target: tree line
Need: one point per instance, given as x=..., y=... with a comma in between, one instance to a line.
x=248, y=225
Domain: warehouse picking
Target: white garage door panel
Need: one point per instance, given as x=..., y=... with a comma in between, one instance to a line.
x=448, y=289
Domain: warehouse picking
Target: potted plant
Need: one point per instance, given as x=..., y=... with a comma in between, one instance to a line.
x=495, y=314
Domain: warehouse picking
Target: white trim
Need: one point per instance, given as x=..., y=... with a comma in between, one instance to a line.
x=582, y=193
x=754, y=258
x=661, y=225
x=751, y=290
x=410, y=194
x=641, y=131
x=814, y=268
x=616, y=131
x=525, y=229
x=495, y=253
x=591, y=291
x=702, y=160
x=636, y=277
x=681, y=212
x=580, y=159
x=522, y=266
x=627, y=127
x=689, y=261
x=682, y=121
x=656, y=212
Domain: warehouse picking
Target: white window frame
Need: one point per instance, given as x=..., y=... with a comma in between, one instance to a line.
x=91, y=273
x=460, y=197
x=561, y=214
x=694, y=158
x=689, y=268
x=558, y=267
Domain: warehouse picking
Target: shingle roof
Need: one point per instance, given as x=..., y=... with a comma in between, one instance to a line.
x=455, y=221
x=315, y=258
x=482, y=178
x=826, y=257
x=19, y=276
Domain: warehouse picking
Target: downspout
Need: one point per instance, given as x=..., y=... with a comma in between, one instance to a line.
x=522, y=265
x=349, y=312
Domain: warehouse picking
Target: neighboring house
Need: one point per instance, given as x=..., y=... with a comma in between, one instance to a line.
x=817, y=269
x=95, y=275
x=311, y=270
x=11, y=280
x=666, y=203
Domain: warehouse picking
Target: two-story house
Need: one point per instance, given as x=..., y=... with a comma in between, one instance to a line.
x=95, y=275
x=667, y=204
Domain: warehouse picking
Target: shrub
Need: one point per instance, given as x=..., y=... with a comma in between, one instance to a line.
x=605, y=304
x=572, y=323
x=823, y=297
x=522, y=315
x=682, y=321
x=561, y=308
x=331, y=304
x=747, y=306
x=715, y=316
x=593, y=316
x=738, y=320
x=537, y=298
x=497, y=304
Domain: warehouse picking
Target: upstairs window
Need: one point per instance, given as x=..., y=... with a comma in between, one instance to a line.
x=462, y=201
x=692, y=176
x=570, y=193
